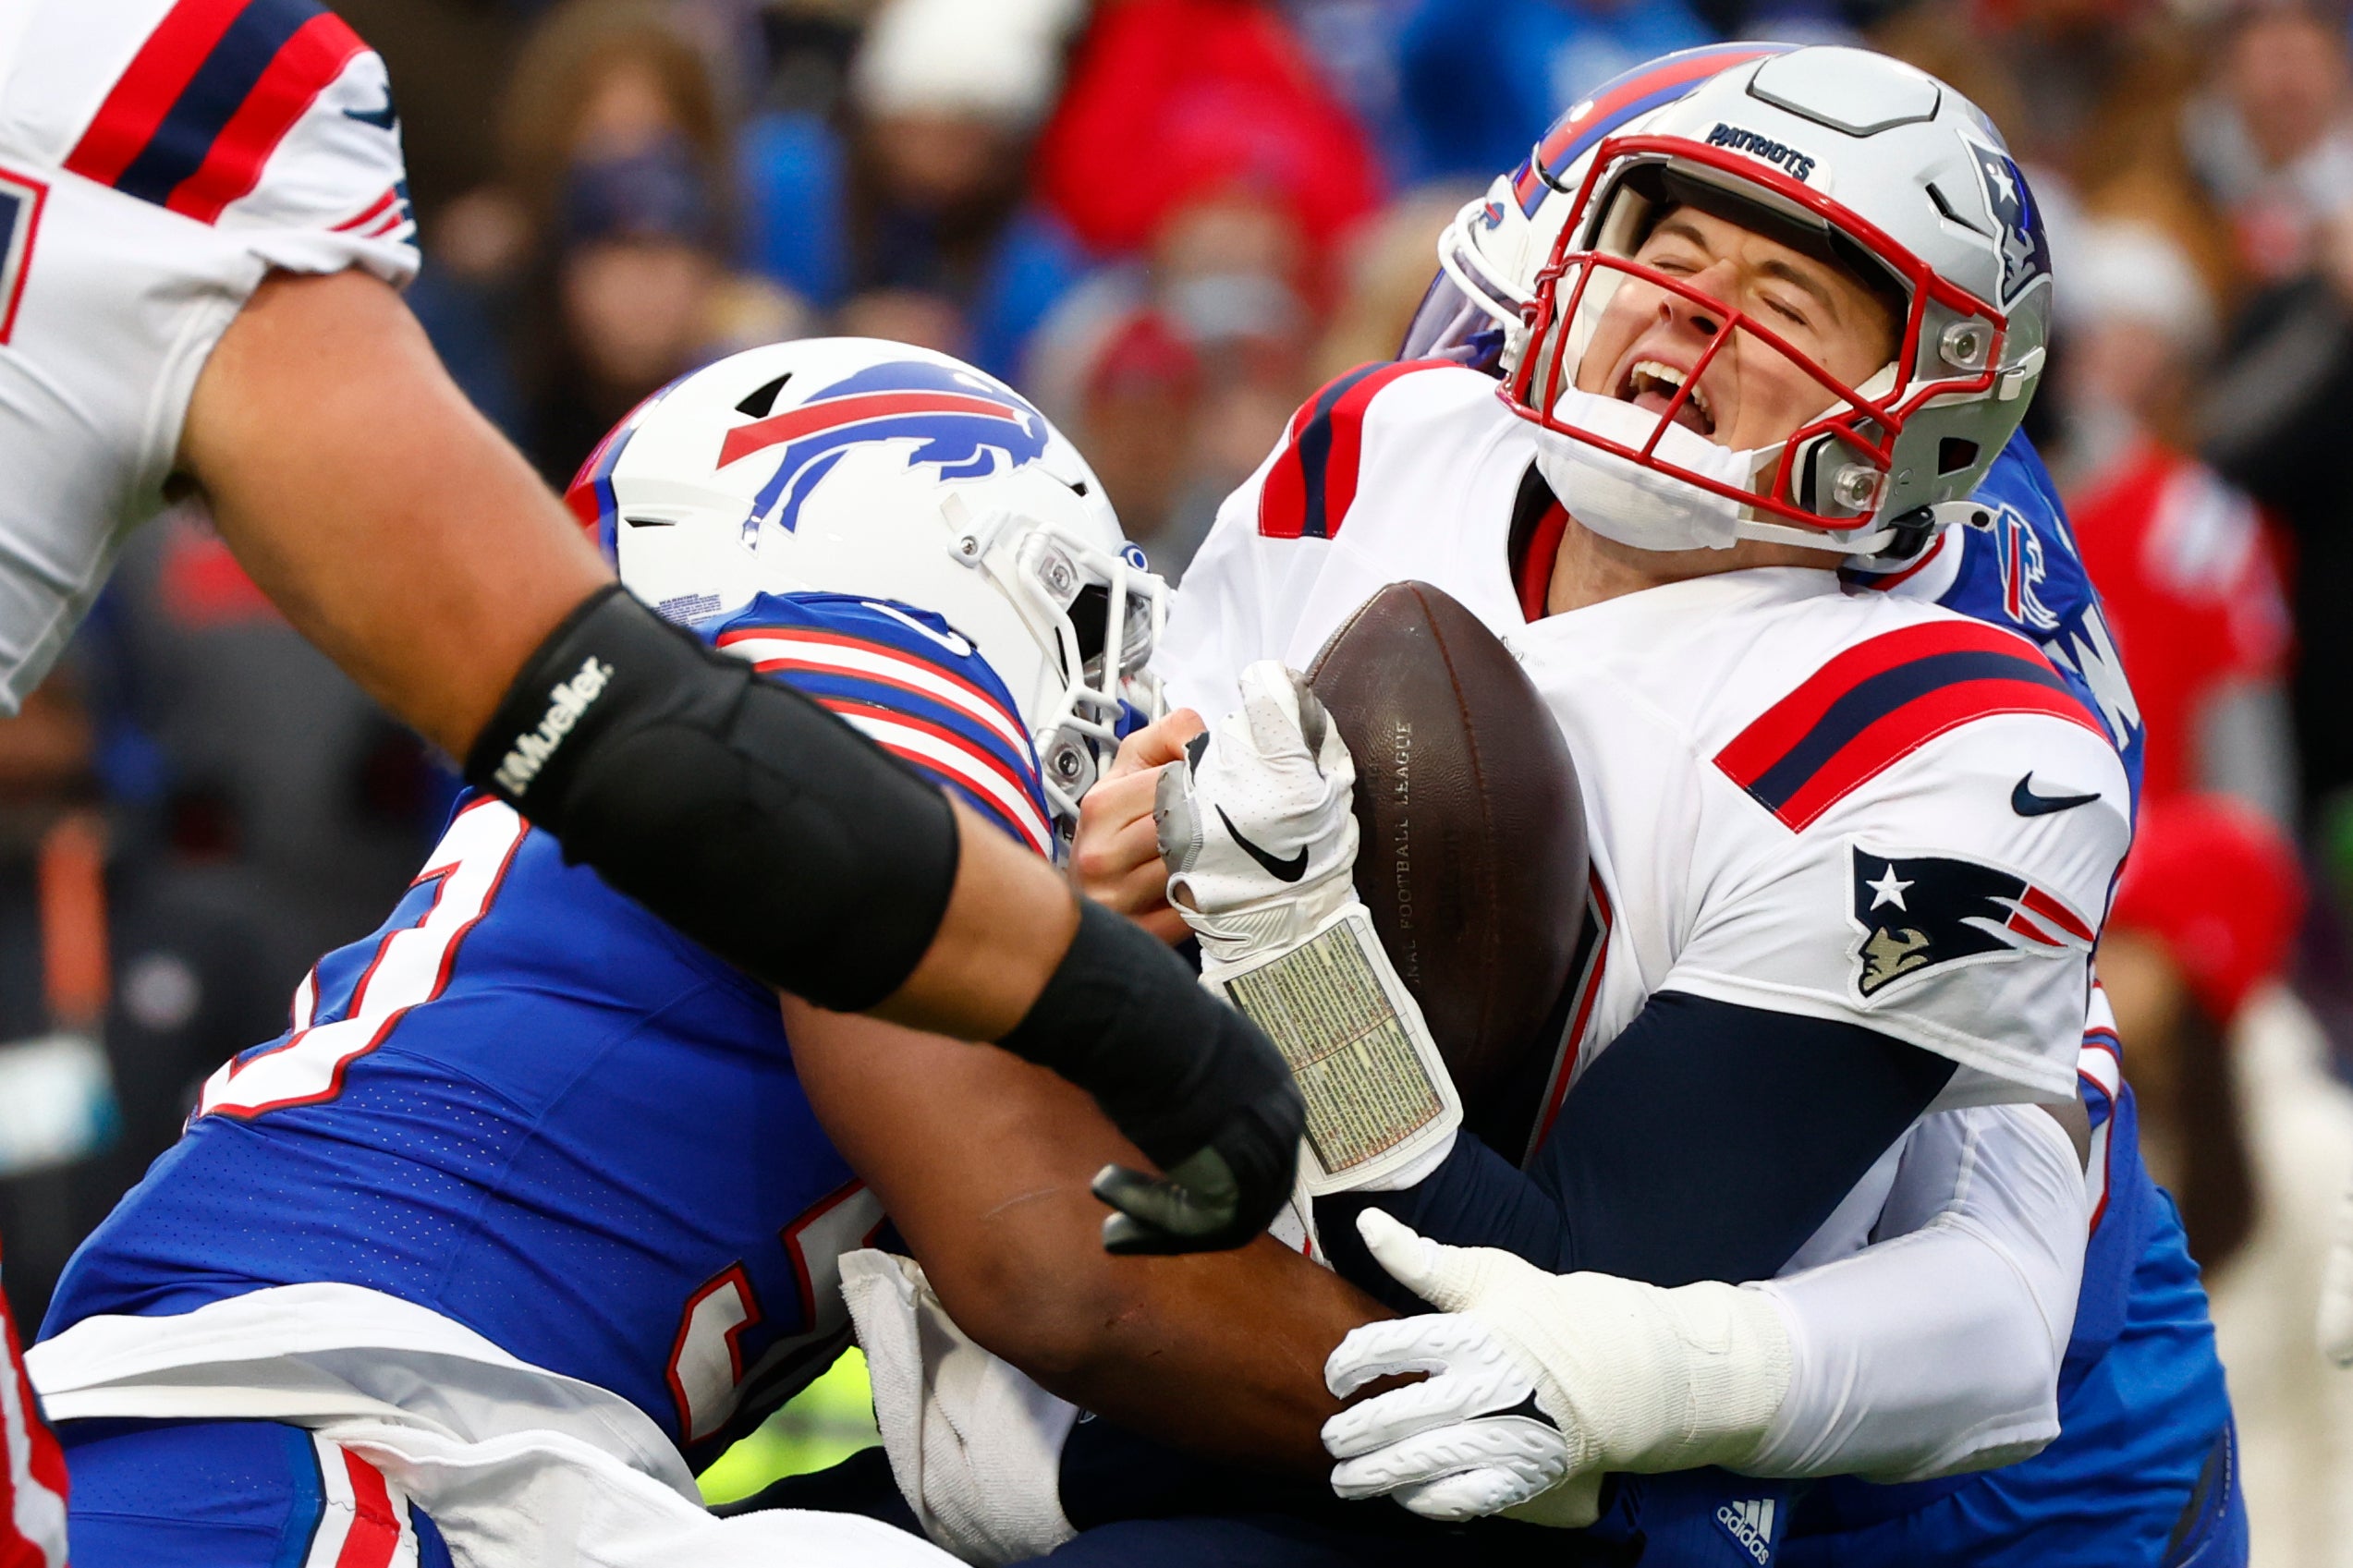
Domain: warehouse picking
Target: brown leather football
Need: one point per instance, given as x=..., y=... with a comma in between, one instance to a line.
x=1473, y=854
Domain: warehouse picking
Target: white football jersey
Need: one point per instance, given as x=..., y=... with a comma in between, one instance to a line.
x=157, y=158
x=1844, y=804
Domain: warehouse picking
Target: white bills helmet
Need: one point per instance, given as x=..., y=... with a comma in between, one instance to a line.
x=1842, y=153
x=850, y=466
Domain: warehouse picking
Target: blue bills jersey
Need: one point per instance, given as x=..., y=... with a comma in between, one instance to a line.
x=2019, y=569
x=529, y=1105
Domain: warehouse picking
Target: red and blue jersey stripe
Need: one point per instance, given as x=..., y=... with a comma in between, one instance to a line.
x=207, y=99
x=1619, y=99
x=1313, y=483
x=912, y=684
x=1883, y=699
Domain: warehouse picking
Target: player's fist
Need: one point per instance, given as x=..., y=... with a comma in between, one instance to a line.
x=1256, y=827
x=1114, y=857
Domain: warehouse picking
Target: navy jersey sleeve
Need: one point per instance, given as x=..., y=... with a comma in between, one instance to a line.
x=1650, y=1176
x=909, y=681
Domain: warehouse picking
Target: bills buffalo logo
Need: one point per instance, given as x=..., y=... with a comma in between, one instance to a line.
x=2026, y=251
x=1923, y=912
x=2018, y=551
x=963, y=426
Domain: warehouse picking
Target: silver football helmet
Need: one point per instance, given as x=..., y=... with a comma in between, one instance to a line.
x=1839, y=151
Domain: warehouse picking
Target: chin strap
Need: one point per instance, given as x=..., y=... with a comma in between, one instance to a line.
x=1904, y=539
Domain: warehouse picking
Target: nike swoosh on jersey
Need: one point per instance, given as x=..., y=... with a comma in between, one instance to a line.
x=385, y=118
x=1282, y=871
x=2026, y=803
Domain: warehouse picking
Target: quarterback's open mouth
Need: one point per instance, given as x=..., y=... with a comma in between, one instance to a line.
x=1652, y=384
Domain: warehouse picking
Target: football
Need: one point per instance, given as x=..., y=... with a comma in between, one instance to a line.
x=1472, y=856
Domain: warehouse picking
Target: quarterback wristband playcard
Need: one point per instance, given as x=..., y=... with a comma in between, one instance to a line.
x=1378, y=1094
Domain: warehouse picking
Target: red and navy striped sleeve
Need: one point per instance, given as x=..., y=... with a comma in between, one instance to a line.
x=1883, y=699
x=1313, y=483
x=912, y=684
x=212, y=94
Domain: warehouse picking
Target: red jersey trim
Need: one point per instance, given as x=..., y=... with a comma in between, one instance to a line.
x=1879, y=701
x=1313, y=483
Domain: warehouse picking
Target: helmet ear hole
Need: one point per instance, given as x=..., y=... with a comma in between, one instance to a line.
x=1954, y=454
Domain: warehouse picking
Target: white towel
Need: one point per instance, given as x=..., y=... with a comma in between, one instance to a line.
x=976, y=1447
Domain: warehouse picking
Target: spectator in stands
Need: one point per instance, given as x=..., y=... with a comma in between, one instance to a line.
x=2272, y=419
x=2181, y=556
x=1478, y=74
x=1177, y=372
x=636, y=257
x=2273, y=139
x=1388, y=269
x=914, y=221
x=1170, y=100
x=125, y=976
x=2243, y=1124
x=1181, y=364
x=599, y=258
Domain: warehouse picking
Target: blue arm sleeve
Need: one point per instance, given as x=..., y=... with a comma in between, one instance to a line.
x=1708, y=1142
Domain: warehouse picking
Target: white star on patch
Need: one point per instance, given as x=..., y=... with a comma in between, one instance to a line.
x=2001, y=178
x=1889, y=888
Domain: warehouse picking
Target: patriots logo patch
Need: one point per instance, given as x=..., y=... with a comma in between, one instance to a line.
x=1917, y=913
x=967, y=427
x=2026, y=250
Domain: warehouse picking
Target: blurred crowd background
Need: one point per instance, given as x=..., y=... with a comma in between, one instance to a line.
x=1167, y=221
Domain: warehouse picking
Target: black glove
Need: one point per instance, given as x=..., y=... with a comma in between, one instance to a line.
x=1188, y=1079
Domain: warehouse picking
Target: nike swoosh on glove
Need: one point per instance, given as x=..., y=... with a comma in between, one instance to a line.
x=1256, y=825
x=1540, y=1383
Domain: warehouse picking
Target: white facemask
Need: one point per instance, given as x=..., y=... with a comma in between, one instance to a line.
x=1634, y=504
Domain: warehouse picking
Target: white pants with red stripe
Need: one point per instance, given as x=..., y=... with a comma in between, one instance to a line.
x=519, y=1467
x=367, y=1522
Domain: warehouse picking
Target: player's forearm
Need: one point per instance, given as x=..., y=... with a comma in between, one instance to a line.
x=984, y=1162
x=393, y=526
x=973, y=979
x=1221, y=1356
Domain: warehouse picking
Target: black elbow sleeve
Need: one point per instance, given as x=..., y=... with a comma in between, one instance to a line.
x=1125, y=1019
x=738, y=809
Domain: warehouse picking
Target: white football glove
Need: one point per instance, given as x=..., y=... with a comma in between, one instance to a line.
x=1258, y=831
x=2336, y=1288
x=1256, y=827
x=1541, y=1383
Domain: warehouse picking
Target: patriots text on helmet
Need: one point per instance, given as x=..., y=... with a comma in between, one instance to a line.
x=1797, y=165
